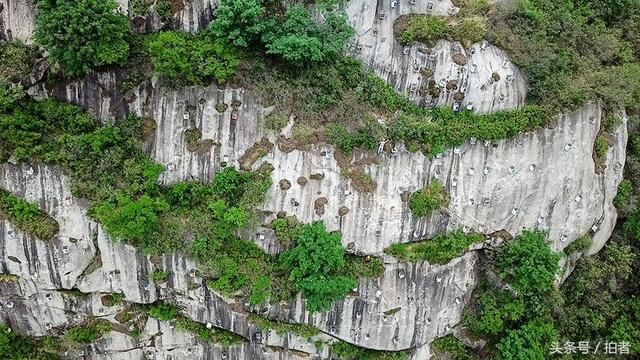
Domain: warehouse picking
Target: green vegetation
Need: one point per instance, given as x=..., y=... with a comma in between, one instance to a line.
x=17, y=61
x=295, y=36
x=428, y=29
x=27, y=216
x=303, y=330
x=298, y=39
x=623, y=197
x=454, y=348
x=527, y=263
x=239, y=22
x=517, y=318
x=82, y=35
x=182, y=59
x=314, y=266
x=261, y=291
x=346, y=351
x=572, y=51
x=14, y=346
x=167, y=312
x=431, y=197
x=9, y=278
x=164, y=312
x=287, y=229
x=159, y=276
x=215, y=335
x=579, y=244
x=87, y=333
x=113, y=299
x=530, y=342
x=439, y=250
x=363, y=266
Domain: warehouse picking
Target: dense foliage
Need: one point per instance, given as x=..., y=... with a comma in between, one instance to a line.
x=426, y=200
x=439, y=250
x=527, y=264
x=183, y=59
x=453, y=347
x=16, y=61
x=517, y=316
x=87, y=333
x=428, y=29
x=314, y=267
x=567, y=48
x=14, y=346
x=81, y=35
x=345, y=351
x=27, y=216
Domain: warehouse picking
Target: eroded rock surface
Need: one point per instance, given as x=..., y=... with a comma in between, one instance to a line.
x=17, y=20
x=406, y=68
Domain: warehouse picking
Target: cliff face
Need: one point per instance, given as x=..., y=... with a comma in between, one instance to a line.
x=544, y=179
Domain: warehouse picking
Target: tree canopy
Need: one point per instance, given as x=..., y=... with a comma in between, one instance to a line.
x=81, y=35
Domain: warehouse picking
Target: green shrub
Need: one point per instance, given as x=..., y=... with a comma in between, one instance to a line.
x=282, y=328
x=164, y=312
x=528, y=263
x=623, y=196
x=580, y=244
x=113, y=299
x=601, y=147
x=454, y=348
x=216, y=335
x=88, y=333
x=15, y=346
x=81, y=35
x=159, y=276
x=313, y=266
x=470, y=29
x=439, y=250
x=131, y=219
x=182, y=59
x=27, y=216
x=494, y=311
x=532, y=342
x=363, y=266
x=261, y=291
x=239, y=22
x=287, y=230
x=431, y=197
x=299, y=40
x=17, y=61
x=346, y=351
x=275, y=122
x=427, y=29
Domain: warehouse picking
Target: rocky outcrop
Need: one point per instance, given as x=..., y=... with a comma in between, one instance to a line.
x=17, y=20
x=411, y=68
x=542, y=179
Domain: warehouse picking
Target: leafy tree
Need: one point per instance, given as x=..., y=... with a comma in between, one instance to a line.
x=170, y=56
x=214, y=59
x=300, y=40
x=528, y=263
x=239, y=22
x=530, y=342
x=313, y=265
x=81, y=35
